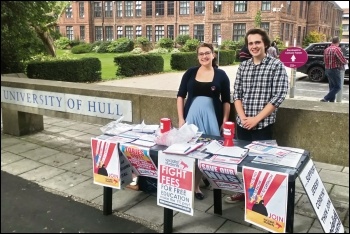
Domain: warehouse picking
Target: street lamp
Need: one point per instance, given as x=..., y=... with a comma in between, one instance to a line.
x=219, y=44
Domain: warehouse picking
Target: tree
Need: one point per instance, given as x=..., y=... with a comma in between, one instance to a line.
x=26, y=30
x=257, y=20
x=313, y=37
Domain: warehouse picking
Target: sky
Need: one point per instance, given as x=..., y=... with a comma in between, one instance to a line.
x=342, y=4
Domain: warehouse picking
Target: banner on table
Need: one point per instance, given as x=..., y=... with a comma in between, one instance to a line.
x=319, y=198
x=266, y=196
x=140, y=159
x=110, y=167
x=221, y=176
x=175, y=182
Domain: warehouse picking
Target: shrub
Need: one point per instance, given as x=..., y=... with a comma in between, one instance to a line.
x=166, y=43
x=81, y=49
x=103, y=47
x=181, y=39
x=143, y=43
x=191, y=45
x=121, y=45
x=313, y=37
x=159, y=51
x=62, y=43
x=136, y=50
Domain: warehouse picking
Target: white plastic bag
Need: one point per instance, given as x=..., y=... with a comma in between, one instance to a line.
x=181, y=135
x=116, y=127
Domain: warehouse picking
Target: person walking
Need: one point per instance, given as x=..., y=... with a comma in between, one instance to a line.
x=334, y=61
x=208, y=102
x=272, y=50
x=260, y=87
x=244, y=54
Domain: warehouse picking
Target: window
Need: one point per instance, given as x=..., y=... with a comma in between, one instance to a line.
x=138, y=31
x=81, y=10
x=170, y=7
x=217, y=7
x=265, y=26
x=69, y=12
x=69, y=32
x=184, y=30
x=184, y=7
x=345, y=27
x=109, y=33
x=98, y=33
x=216, y=32
x=301, y=9
x=240, y=6
x=138, y=8
x=289, y=7
x=299, y=36
x=238, y=31
x=282, y=31
x=149, y=32
x=286, y=35
x=108, y=9
x=317, y=49
x=159, y=8
x=82, y=33
x=198, y=32
x=97, y=9
x=265, y=5
x=159, y=30
x=129, y=32
x=170, y=31
x=119, y=31
x=199, y=7
x=149, y=8
x=129, y=11
x=119, y=8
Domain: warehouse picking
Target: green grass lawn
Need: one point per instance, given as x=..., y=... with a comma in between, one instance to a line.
x=108, y=66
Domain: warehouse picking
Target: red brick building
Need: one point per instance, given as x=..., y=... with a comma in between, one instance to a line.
x=204, y=20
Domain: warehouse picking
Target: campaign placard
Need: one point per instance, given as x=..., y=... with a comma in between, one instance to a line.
x=140, y=159
x=221, y=176
x=319, y=198
x=266, y=196
x=110, y=167
x=175, y=182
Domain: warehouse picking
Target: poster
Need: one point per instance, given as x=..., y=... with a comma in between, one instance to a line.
x=140, y=159
x=266, y=197
x=221, y=176
x=176, y=182
x=110, y=167
x=319, y=198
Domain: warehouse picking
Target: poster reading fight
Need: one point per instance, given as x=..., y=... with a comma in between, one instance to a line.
x=266, y=196
x=319, y=198
x=110, y=168
x=175, y=182
x=140, y=159
x=221, y=176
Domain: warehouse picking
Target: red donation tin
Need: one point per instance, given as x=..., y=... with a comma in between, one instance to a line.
x=165, y=125
x=229, y=132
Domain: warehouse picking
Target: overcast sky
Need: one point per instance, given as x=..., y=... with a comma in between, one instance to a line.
x=343, y=4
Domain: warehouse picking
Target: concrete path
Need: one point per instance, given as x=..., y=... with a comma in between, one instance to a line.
x=59, y=160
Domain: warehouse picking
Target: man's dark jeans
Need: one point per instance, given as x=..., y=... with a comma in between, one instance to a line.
x=334, y=79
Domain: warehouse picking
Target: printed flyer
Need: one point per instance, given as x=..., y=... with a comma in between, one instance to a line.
x=176, y=182
x=140, y=159
x=320, y=200
x=110, y=168
x=266, y=196
x=221, y=176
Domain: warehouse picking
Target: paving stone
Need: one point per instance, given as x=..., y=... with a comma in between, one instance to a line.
x=20, y=166
x=7, y=157
x=328, y=166
x=334, y=177
x=64, y=181
x=9, y=141
x=39, y=153
x=232, y=227
x=70, y=133
x=59, y=159
x=79, y=165
x=42, y=173
x=86, y=190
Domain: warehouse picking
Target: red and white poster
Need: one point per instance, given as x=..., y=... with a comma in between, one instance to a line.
x=175, y=182
x=140, y=159
x=320, y=200
x=110, y=168
x=221, y=176
x=266, y=196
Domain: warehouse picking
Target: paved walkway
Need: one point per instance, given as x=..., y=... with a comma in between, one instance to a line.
x=59, y=160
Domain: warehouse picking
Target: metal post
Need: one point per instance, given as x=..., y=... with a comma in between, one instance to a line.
x=292, y=82
x=339, y=95
x=219, y=44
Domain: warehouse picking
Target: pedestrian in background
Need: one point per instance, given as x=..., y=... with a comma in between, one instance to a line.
x=334, y=61
x=272, y=51
x=244, y=54
x=260, y=87
x=208, y=102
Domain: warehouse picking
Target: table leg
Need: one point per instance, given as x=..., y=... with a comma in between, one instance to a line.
x=217, y=201
x=107, y=200
x=168, y=220
x=290, y=207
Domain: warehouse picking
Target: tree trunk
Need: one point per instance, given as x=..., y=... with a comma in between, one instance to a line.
x=47, y=40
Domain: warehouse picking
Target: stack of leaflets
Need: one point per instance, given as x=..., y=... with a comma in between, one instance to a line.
x=145, y=128
x=182, y=148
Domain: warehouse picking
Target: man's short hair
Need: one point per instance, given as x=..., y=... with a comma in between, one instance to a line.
x=335, y=40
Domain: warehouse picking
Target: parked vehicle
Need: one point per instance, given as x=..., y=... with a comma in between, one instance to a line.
x=314, y=67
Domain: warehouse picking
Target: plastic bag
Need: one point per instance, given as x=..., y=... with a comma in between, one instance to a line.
x=116, y=127
x=181, y=135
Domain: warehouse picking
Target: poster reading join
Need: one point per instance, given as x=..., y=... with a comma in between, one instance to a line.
x=175, y=182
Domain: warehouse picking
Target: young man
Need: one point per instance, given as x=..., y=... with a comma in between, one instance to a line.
x=260, y=87
x=334, y=62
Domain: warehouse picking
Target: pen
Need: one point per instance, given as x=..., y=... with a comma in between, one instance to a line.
x=187, y=149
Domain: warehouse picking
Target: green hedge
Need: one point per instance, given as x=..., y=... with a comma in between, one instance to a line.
x=140, y=64
x=79, y=70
